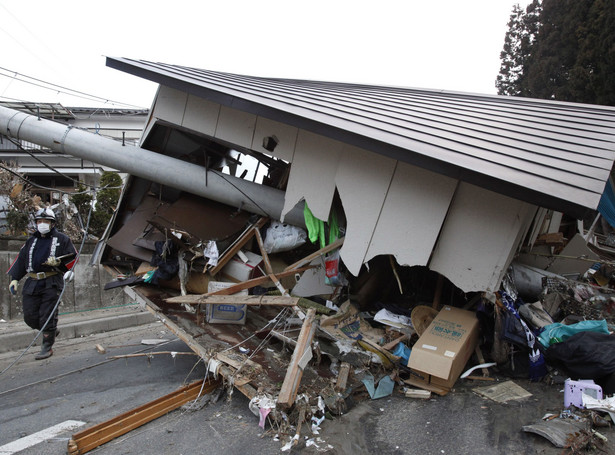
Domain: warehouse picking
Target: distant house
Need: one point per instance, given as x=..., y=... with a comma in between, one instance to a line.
x=55, y=170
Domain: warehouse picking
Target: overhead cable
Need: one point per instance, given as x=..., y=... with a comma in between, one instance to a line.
x=59, y=88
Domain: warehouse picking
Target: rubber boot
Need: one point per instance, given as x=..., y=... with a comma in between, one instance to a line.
x=46, y=351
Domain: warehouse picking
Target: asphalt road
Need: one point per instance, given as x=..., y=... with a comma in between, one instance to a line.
x=77, y=383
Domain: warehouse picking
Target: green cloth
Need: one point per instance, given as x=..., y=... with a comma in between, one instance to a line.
x=334, y=230
x=315, y=227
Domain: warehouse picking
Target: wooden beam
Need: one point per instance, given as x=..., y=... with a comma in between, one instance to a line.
x=238, y=245
x=252, y=300
x=306, y=260
x=206, y=354
x=294, y=373
x=90, y=438
x=256, y=282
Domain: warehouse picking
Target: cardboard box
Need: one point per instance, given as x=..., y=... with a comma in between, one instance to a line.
x=225, y=314
x=442, y=351
x=238, y=270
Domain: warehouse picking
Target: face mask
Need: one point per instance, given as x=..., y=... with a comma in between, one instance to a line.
x=43, y=228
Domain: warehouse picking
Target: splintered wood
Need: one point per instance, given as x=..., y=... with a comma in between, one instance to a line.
x=301, y=355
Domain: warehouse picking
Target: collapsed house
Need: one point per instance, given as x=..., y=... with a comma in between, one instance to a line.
x=297, y=233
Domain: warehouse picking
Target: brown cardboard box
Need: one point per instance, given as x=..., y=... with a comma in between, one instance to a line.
x=442, y=351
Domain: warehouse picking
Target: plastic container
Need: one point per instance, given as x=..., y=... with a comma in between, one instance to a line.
x=574, y=390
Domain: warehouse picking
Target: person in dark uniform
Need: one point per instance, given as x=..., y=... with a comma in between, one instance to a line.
x=46, y=259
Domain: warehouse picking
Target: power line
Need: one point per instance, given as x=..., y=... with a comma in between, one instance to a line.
x=18, y=144
x=59, y=88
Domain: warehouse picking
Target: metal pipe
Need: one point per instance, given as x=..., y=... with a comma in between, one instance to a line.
x=192, y=178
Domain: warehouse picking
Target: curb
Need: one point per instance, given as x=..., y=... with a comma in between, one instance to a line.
x=21, y=339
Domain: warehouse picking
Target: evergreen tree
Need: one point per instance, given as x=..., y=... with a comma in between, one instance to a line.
x=561, y=49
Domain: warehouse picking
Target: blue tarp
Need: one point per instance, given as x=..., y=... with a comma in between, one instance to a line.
x=606, y=207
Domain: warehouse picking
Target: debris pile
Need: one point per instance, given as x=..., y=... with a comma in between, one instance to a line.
x=272, y=311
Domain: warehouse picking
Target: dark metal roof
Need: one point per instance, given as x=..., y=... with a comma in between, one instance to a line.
x=552, y=154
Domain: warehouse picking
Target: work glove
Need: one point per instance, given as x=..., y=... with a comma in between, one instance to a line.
x=68, y=276
x=52, y=262
x=13, y=287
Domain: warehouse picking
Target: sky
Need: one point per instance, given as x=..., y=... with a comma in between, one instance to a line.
x=446, y=45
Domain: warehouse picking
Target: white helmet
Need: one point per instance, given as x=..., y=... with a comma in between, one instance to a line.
x=45, y=214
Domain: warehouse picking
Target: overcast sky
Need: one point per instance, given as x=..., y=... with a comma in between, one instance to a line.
x=446, y=44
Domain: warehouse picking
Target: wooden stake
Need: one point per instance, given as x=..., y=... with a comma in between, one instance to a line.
x=288, y=391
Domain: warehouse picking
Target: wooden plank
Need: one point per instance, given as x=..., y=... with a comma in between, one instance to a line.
x=90, y=438
x=417, y=393
x=551, y=239
x=294, y=373
x=238, y=361
x=306, y=260
x=427, y=386
x=226, y=371
x=391, y=344
x=256, y=282
x=238, y=245
x=342, y=377
x=253, y=300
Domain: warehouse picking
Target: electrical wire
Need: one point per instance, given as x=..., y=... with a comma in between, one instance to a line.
x=18, y=144
x=245, y=195
x=42, y=187
x=61, y=89
x=78, y=370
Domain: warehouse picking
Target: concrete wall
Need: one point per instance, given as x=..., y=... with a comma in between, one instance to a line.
x=85, y=292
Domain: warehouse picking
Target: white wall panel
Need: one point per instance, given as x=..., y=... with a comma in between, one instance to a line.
x=201, y=115
x=413, y=212
x=235, y=127
x=478, y=237
x=312, y=175
x=363, y=180
x=286, y=134
x=170, y=105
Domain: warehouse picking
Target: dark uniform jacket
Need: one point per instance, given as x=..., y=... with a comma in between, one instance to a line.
x=35, y=252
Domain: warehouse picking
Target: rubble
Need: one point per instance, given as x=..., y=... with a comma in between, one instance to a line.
x=301, y=358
